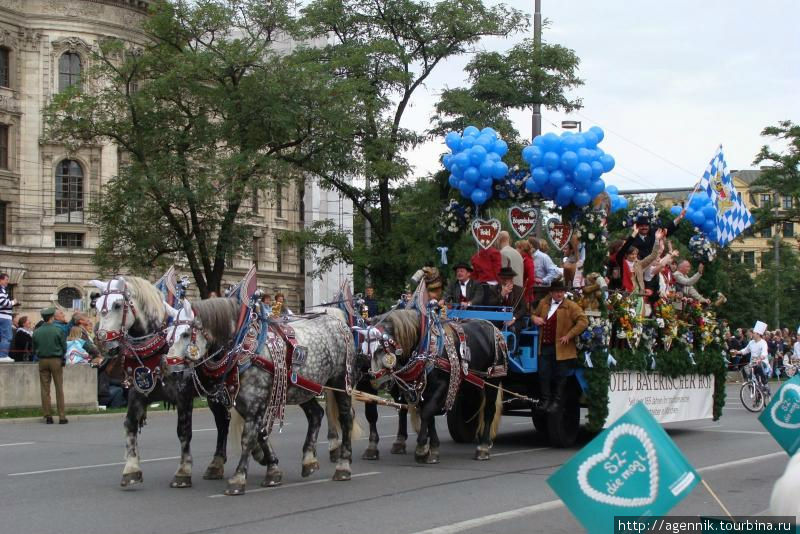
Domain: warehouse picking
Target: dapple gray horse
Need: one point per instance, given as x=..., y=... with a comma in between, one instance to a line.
x=328, y=346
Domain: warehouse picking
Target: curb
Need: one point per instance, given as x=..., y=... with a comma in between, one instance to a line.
x=79, y=417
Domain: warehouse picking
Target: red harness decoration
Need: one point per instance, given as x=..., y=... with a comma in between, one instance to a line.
x=286, y=334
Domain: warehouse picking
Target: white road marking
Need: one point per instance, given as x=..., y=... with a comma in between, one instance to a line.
x=20, y=443
x=509, y=453
x=88, y=467
x=203, y=429
x=724, y=431
x=457, y=528
x=527, y=423
x=296, y=484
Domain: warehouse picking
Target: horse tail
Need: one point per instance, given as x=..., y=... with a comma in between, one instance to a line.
x=332, y=414
x=498, y=415
x=481, y=411
x=416, y=421
x=235, y=431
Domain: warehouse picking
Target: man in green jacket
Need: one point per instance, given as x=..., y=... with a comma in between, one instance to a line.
x=50, y=344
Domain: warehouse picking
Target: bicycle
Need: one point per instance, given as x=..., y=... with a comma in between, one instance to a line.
x=753, y=394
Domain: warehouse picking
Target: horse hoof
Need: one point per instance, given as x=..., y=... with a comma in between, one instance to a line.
x=131, y=479
x=341, y=475
x=433, y=457
x=398, y=447
x=309, y=469
x=181, y=481
x=272, y=479
x=371, y=454
x=334, y=455
x=481, y=455
x=214, y=472
x=234, y=489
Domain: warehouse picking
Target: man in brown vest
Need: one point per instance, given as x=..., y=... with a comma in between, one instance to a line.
x=560, y=321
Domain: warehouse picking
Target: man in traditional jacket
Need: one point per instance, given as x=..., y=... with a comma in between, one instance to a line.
x=463, y=291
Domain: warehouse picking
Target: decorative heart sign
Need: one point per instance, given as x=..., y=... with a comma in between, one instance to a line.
x=785, y=410
x=485, y=232
x=559, y=233
x=523, y=220
x=622, y=469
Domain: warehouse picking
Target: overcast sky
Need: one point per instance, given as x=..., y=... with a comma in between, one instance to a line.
x=676, y=78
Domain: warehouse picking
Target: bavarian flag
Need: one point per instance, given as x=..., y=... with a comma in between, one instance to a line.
x=733, y=217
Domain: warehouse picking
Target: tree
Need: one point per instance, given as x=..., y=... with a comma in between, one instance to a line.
x=205, y=112
x=780, y=173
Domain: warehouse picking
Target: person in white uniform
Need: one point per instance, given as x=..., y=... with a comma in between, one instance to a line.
x=757, y=349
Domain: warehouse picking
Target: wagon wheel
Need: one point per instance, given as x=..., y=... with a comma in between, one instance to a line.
x=539, y=421
x=563, y=427
x=462, y=420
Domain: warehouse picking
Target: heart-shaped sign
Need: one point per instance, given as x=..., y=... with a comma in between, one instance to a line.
x=523, y=220
x=559, y=233
x=485, y=232
x=786, y=413
x=616, y=460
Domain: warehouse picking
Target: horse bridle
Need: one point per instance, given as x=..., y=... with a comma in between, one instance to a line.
x=191, y=351
x=390, y=348
x=114, y=335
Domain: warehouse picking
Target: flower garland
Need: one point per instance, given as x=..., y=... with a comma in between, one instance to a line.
x=596, y=336
x=455, y=217
x=647, y=210
x=512, y=187
x=702, y=249
x=591, y=226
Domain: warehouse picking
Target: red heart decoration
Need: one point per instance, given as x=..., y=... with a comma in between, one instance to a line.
x=559, y=233
x=485, y=232
x=523, y=220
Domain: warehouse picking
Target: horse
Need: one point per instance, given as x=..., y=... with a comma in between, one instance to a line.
x=322, y=351
x=132, y=317
x=476, y=345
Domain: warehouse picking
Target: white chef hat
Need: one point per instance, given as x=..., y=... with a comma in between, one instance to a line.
x=760, y=328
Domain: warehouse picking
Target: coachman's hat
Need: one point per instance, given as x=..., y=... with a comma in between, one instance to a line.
x=643, y=220
x=558, y=285
x=462, y=265
x=506, y=272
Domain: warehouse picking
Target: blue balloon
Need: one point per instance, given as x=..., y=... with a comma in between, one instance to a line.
x=598, y=132
x=709, y=226
x=709, y=212
x=551, y=160
x=569, y=160
x=623, y=202
x=490, y=132
x=535, y=155
x=492, y=156
x=500, y=147
x=471, y=131
x=549, y=192
x=457, y=170
x=581, y=198
x=570, y=143
x=485, y=184
x=697, y=202
x=584, y=155
x=462, y=159
x=453, y=181
x=479, y=197
x=531, y=186
x=590, y=138
x=477, y=154
x=583, y=172
x=580, y=142
x=538, y=141
x=486, y=141
x=446, y=160
x=499, y=169
x=453, y=141
x=552, y=142
x=528, y=153
x=467, y=142
x=607, y=160
x=675, y=210
x=557, y=179
x=566, y=191
x=472, y=175
x=540, y=176
x=486, y=168
x=612, y=190
x=698, y=218
x=597, y=169
x=466, y=188
x=596, y=187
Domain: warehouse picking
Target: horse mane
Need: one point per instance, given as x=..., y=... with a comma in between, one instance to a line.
x=218, y=316
x=404, y=325
x=148, y=301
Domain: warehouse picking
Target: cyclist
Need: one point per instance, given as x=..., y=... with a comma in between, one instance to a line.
x=757, y=349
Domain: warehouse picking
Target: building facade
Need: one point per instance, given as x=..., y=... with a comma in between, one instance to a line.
x=755, y=249
x=46, y=241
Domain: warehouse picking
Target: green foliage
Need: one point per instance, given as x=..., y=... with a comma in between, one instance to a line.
x=780, y=173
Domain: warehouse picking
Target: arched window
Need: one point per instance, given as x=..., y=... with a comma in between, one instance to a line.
x=69, y=70
x=69, y=192
x=67, y=297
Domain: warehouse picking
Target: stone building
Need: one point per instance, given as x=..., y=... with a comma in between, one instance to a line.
x=46, y=242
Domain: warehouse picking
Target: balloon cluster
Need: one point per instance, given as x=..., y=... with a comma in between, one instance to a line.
x=475, y=162
x=701, y=213
x=567, y=169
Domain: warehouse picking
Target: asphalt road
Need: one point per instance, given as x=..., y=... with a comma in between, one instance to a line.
x=65, y=479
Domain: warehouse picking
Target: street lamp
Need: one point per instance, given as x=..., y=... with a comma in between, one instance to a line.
x=571, y=125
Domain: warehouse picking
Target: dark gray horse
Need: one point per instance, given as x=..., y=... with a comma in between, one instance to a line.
x=327, y=344
x=392, y=340
x=132, y=316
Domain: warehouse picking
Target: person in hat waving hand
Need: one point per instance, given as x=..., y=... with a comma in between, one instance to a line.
x=463, y=292
x=560, y=322
x=644, y=239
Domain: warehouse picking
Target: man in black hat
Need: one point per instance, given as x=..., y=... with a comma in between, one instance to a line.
x=645, y=240
x=507, y=293
x=463, y=292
